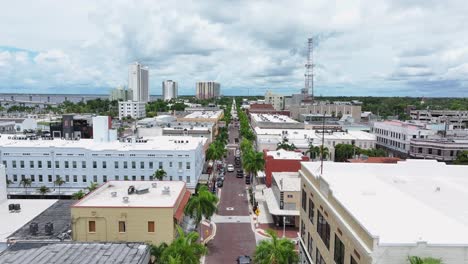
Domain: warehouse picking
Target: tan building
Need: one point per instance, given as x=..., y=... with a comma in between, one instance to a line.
x=130, y=211
x=276, y=100
x=336, y=110
x=203, y=116
x=363, y=213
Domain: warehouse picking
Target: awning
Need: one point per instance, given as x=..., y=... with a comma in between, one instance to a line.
x=180, y=209
x=273, y=206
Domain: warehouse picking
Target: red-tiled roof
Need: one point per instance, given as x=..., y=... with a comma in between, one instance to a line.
x=180, y=210
x=375, y=160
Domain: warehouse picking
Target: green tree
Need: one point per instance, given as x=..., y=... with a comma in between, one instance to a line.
x=373, y=152
x=93, y=186
x=59, y=182
x=184, y=249
x=275, y=250
x=159, y=174
x=428, y=260
x=462, y=158
x=246, y=145
x=78, y=195
x=253, y=162
x=43, y=190
x=9, y=182
x=313, y=151
x=202, y=204
x=157, y=251
x=344, y=152
x=285, y=145
x=25, y=182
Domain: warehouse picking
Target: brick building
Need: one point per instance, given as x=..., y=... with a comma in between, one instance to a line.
x=281, y=161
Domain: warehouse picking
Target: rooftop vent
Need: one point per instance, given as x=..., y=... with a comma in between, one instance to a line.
x=114, y=194
x=154, y=185
x=125, y=199
x=142, y=190
x=131, y=189
x=49, y=228
x=166, y=190
x=33, y=228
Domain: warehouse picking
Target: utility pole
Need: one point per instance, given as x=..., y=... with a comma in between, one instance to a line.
x=309, y=72
x=323, y=143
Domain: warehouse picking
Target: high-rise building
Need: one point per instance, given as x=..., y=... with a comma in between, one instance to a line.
x=169, y=90
x=138, y=82
x=134, y=109
x=207, y=90
x=276, y=100
x=120, y=94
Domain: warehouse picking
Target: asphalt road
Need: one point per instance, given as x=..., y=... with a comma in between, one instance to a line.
x=233, y=238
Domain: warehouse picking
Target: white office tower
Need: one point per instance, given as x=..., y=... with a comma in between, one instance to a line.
x=207, y=90
x=138, y=82
x=169, y=90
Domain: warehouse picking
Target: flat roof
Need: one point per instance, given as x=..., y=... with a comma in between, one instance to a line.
x=273, y=118
x=285, y=155
x=76, y=253
x=30, y=208
x=287, y=181
x=304, y=134
x=153, y=143
x=404, y=203
x=155, y=197
x=208, y=114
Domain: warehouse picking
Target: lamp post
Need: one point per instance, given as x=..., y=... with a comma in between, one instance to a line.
x=284, y=226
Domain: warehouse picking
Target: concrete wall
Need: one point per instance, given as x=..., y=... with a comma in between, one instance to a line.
x=280, y=165
x=136, y=219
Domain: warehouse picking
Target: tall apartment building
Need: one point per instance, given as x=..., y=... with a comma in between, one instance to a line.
x=395, y=136
x=169, y=90
x=363, y=213
x=138, y=82
x=133, y=109
x=131, y=211
x=121, y=94
x=102, y=159
x=207, y=90
x=277, y=100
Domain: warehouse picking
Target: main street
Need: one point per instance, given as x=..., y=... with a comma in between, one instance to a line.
x=234, y=236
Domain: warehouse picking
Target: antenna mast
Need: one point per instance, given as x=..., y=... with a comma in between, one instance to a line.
x=309, y=72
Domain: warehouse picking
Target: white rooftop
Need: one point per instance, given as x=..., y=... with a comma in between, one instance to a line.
x=153, y=143
x=102, y=197
x=272, y=118
x=309, y=133
x=30, y=208
x=205, y=114
x=285, y=155
x=287, y=181
x=407, y=202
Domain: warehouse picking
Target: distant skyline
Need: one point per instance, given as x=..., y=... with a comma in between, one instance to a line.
x=375, y=48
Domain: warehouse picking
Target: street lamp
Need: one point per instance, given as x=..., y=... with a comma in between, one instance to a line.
x=284, y=226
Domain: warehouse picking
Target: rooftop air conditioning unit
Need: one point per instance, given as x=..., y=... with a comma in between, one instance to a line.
x=166, y=190
x=33, y=228
x=154, y=185
x=125, y=199
x=49, y=228
x=114, y=194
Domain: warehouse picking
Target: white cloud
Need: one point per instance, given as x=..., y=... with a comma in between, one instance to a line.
x=365, y=46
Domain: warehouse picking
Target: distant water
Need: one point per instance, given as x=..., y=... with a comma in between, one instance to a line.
x=55, y=98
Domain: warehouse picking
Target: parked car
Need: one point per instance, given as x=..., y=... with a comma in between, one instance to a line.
x=230, y=168
x=247, y=179
x=240, y=174
x=244, y=260
x=219, y=183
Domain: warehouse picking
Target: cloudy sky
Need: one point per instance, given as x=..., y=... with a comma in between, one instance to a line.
x=375, y=47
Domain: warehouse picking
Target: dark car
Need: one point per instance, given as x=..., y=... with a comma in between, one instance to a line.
x=240, y=174
x=247, y=180
x=244, y=260
x=219, y=183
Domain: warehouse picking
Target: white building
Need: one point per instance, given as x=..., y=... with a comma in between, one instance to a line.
x=382, y=213
x=277, y=100
x=138, y=82
x=169, y=90
x=269, y=138
x=80, y=162
x=274, y=121
x=395, y=136
x=133, y=109
x=207, y=90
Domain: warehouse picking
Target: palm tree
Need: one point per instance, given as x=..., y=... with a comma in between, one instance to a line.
x=324, y=152
x=313, y=151
x=285, y=145
x=202, y=204
x=93, y=186
x=157, y=251
x=275, y=250
x=26, y=182
x=43, y=190
x=184, y=249
x=253, y=162
x=78, y=195
x=159, y=174
x=59, y=182
x=429, y=260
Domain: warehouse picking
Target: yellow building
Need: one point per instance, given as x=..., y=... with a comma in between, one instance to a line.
x=362, y=213
x=203, y=116
x=130, y=211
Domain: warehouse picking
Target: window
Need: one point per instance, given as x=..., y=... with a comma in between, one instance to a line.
x=133, y=165
x=94, y=164
x=15, y=177
x=104, y=165
x=116, y=177
x=339, y=251
x=151, y=177
x=31, y=164
x=310, y=244
x=91, y=226
x=49, y=164
x=83, y=164
x=116, y=164
x=125, y=165
x=170, y=178
x=66, y=164
x=323, y=229
x=170, y=164
x=304, y=200
x=84, y=178
x=22, y=164
x=302, y=230
x=125, y=178
x=75, y=178
x=74, y=164
x=142, y=164
x=49, y=178
x=134, y=178
x=352, y=261
x=142, y=177
x=150, y=226
x=187, y=179
x=33, y=178
x=180, y=165
x=13, y=163
x=122, y=227
x=311, y=211
x=161, y=165
x=318, y=257
x=180, y=178
x=150, y=164
x=188, y=166
x=67, y=178
x=94, y=178
x=39, y=164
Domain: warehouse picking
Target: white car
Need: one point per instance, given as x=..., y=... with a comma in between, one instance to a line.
x=230, y=168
